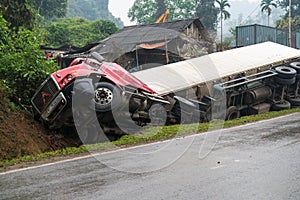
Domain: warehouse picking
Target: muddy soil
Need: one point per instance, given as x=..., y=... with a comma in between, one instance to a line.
x=21, y=135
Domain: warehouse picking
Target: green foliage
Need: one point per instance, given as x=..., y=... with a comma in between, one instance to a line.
x=224, y=14
x=22, y=65
x=222, y=9
x=77, y=31
x=266, y=6
x=147, y=11
x=208, y=13
x=227, y=43
x=143, y=11
x=284, y=23
x=295, y=11
x=50, y=9
x=182, y=9
x=91, y=10
x=161, y=8
x=17, y=13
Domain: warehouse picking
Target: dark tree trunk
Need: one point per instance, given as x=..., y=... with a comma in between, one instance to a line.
x=161, y=8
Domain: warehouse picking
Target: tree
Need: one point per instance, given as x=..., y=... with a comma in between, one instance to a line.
x=77, y=31
x=183, y=9
x=143, y=11
x=17, y=13
x=295, y=11
x=224, y=14
x=50, y=9
x=266, y=7
x=161, y=8
x=284, y=24
x=146, y=11
x=22, y=64
x=207, y=13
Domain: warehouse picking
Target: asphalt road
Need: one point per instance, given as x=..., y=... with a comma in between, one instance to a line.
x=256, y=161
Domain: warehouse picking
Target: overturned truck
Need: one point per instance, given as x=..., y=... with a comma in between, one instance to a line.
x=242, y=81
x=226, y=85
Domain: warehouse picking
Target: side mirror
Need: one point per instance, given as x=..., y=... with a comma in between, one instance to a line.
x=97, y=57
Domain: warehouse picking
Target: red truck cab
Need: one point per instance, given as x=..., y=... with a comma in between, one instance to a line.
x=109, y=87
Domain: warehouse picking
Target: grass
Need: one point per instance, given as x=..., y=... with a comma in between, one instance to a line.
x=148, y=135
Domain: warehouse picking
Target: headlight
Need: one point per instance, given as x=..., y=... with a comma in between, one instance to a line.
x=69, y=77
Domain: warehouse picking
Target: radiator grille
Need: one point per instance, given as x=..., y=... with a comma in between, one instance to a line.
x=45, y=94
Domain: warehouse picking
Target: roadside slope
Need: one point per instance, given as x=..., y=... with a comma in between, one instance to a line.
x=20, y=135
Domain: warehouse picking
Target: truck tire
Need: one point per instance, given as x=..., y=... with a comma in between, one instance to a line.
x=285, y=72
x=295, y=102
x=283, y=105
x=284, y=81
x=232, y=113
x=107, y=97
x=296, y=66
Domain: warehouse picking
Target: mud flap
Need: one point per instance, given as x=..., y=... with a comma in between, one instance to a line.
x=185, y=111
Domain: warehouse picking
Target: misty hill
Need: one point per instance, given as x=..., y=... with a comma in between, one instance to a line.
x=92, y=10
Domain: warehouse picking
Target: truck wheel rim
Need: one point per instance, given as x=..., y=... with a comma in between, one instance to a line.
x=103, y=96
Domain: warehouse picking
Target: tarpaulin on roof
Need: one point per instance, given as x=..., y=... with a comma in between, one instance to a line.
x=152, y=36
x=152, y=46
x=126, y=41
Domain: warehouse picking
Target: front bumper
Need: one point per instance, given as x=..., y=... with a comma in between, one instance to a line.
x=49, y=100
x=54, y=108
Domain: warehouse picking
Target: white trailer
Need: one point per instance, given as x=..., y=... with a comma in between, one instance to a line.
x=257, y=77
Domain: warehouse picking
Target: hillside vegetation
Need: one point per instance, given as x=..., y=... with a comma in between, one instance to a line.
x=91, y=10
x=77, y=32
x=23, y=67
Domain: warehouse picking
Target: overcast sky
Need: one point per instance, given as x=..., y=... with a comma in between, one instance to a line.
x=120, y=8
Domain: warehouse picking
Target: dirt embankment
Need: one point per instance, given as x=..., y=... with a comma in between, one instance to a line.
x=21, y=135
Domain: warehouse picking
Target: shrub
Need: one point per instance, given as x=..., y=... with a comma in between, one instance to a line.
x=77, y=32
x=23, y=65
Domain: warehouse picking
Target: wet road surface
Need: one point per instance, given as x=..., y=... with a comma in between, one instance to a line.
x=256, y=161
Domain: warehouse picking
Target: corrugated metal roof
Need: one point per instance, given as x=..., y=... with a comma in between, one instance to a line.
x=185, y=74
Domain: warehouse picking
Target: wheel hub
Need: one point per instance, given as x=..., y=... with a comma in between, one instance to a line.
x=103, y=96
